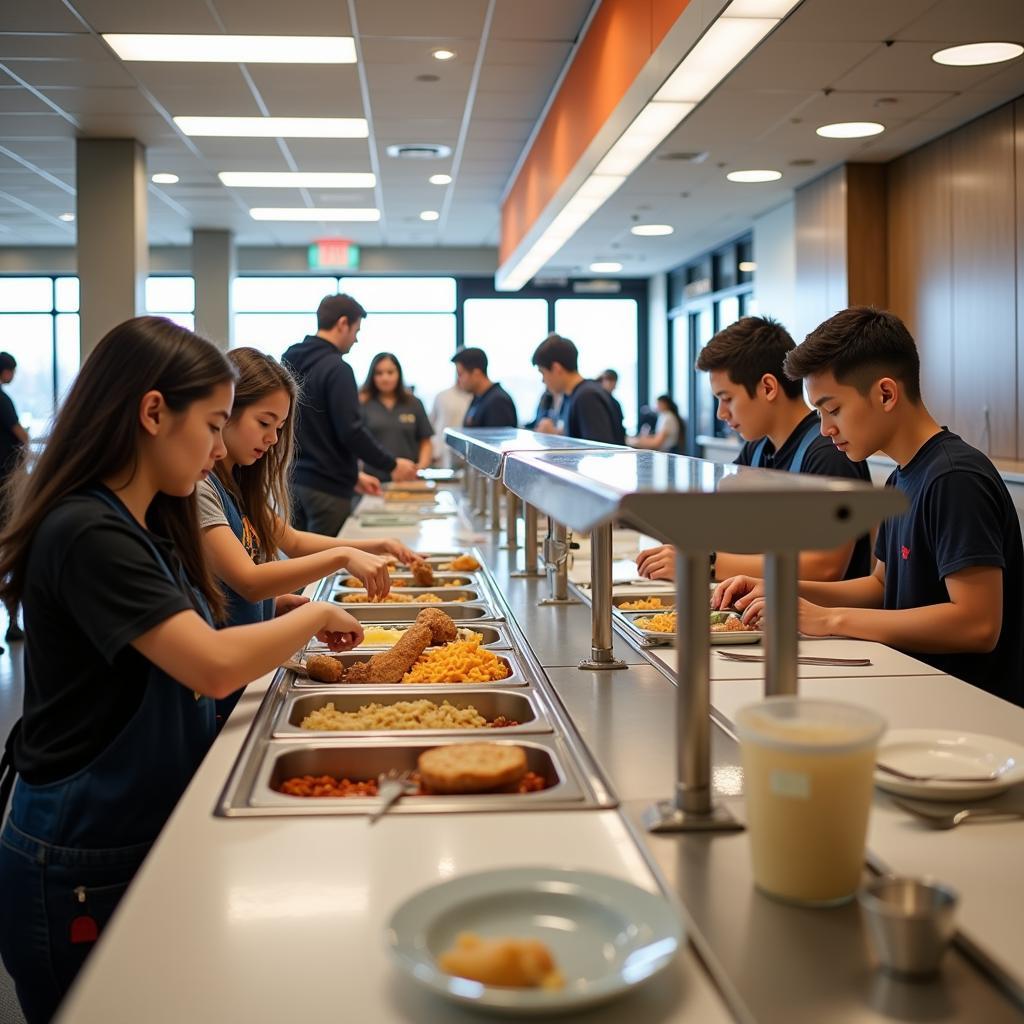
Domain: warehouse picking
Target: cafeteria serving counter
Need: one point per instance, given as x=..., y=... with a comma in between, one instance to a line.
x=264, y=918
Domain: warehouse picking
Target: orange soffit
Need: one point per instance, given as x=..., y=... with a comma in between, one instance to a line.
x=619, y=42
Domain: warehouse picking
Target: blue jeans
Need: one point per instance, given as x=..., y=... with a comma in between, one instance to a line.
x=43, y=889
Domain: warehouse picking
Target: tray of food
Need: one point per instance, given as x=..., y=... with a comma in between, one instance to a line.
x=446, y=774
x=390, y=611
x=444, y=561
x=419, y=486
x=387, y=634
x=644, y=602
x=326, y=713
x=411, y=596
x=408, y=581
x=660, y=627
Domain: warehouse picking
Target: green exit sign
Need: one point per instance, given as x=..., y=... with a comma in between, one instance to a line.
x=333, y=253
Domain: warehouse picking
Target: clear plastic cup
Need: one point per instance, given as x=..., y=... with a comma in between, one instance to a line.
x=808, y=767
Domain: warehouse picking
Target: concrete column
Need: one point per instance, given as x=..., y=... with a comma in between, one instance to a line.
x=214, y=268
x=113, y=250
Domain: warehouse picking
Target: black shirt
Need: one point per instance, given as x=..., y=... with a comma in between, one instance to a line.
x=10, y=446
x=822, y=458
x=330, y=433
x=960, y=515
x=400, y=429
x=591, y=414
x=494, y=408
x=92, y=588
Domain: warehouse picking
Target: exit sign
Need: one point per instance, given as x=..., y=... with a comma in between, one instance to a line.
x=337, y=253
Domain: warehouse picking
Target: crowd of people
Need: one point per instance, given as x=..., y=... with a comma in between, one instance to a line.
x=184, y=496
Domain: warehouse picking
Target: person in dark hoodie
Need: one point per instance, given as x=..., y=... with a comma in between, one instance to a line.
x=330, y=430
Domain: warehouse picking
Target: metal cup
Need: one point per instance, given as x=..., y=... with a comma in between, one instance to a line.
x=909, y=922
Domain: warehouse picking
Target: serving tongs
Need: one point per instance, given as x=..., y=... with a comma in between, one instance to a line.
x=803, y=659
x=390, y=786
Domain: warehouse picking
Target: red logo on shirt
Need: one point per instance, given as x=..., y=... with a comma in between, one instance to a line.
x=905, y=551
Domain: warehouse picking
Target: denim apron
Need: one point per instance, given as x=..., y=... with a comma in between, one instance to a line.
x=240, y=611
x=70, y=848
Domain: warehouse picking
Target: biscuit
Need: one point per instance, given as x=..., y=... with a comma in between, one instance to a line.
x=471, y=767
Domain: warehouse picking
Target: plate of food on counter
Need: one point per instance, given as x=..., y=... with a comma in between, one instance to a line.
x=533, y=941
x=661, y=627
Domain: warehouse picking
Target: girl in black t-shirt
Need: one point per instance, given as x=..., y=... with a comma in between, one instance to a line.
x=122, y=661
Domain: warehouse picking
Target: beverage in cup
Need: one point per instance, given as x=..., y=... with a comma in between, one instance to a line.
x=808, y=767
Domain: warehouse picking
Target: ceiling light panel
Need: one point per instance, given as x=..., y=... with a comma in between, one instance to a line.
x=162, y=178
x=975, y=54
x=720, y=49
x=605, y=268
x=754, y=176
x=649, y=129
x=651, y=230
x=850, y=130
x=234, y=49
x=297, y=179
x=324, y=213
x=759, y=8
x=274, y=127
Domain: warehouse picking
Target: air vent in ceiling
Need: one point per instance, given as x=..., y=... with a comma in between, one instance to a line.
x=686, y=158
x=419, y=151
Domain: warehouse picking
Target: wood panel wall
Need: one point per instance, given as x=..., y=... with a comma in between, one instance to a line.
x=956, y=228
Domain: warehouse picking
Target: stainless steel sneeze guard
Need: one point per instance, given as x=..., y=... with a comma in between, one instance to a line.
x=700, y=507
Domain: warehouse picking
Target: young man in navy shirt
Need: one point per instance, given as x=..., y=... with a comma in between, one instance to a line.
x=588, y=411
x=949, y=583
x=767, y=409
x=492, y=405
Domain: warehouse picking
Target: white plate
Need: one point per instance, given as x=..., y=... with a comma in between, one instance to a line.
x=606, y=935
x=947, y=752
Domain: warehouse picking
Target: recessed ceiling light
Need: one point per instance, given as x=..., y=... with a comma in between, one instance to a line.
x=440, y=179
x=443, y=54
x=164, y=179
x=850, y=129
x=652, y=229
x=67, y=217
x=747, y=266
x=316, y=213
x=609, y=267
x=235, y=49
x=973, y=54
x=429, y=215
x=274, y=127
x=753, y=176
x=297, y=179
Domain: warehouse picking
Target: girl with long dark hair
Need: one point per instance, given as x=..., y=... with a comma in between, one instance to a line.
x=122, y=660
x=394, y=415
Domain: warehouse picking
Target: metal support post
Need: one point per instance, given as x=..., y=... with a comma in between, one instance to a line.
x=781, y=612
x=511, y=525
x=691, y=808
x=531, y=553
x=556, y=562
x=601, y=656
x=495, y=511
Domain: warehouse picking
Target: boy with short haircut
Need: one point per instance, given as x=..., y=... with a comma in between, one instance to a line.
x=767, y=409
x=588, y=410
x=949, y=583
x=492, y=405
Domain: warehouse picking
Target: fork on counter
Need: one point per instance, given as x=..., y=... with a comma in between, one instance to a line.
x=911, y=777
x=391, y=785
x=939, y=817
x=802, y=659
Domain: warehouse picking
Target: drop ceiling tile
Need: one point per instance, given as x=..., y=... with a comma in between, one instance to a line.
x=182, y=16
x=403, y=49
x=500, y=105
x=795, y=65
x=16, y=100
x=546, y=56
x=309, y=18
x=952, y=22
x=866, y=19
x=329, y=154
x=147, y=128
x=27, y=126
x=319, y=90
x=78, y=45
x=257, y=154
x=41, y=16
x=78, y=74
x=100, y=101
x=540, y=19
x=453, y=19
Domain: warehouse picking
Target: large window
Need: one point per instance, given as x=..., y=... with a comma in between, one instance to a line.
x=508, y=330
x=605, y=332
x=411, y=317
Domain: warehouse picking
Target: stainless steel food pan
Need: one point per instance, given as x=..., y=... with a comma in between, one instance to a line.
x=517, y=678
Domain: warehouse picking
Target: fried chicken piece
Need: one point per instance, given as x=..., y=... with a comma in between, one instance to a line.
x=324, y=669
x=390, y=666
x=441, y=625
x=422, y=574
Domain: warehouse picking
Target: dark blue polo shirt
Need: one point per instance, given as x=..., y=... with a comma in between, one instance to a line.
x=960, y=515
x=823, y=458
x=494, y=408
x=590, y=413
